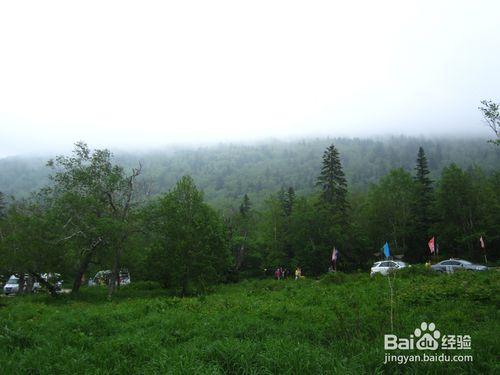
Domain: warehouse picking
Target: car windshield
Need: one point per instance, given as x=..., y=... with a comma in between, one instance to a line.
x=466, y=262
x=13, y=280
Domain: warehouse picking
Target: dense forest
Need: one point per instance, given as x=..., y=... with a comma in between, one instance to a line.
x=226, y=172
x=192, y=218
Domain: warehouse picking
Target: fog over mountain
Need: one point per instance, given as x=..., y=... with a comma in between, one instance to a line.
x=130, y=75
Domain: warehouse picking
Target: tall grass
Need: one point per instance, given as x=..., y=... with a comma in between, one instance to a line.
x=332, y=325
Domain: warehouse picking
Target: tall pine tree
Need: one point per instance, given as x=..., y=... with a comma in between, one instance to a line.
x=333, y=182
x=245, y=206
x=423, y=205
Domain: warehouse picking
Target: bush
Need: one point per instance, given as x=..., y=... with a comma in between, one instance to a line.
x=142, y=285
x=415, y=270
x=333, y=278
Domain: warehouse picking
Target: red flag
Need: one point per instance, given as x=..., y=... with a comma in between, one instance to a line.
x=481, y=242
x=431, y=245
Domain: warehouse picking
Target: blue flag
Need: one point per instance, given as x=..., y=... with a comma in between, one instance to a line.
x=387, y=253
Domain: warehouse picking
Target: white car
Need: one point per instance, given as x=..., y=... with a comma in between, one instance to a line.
x=386, y=266
x=12, y=285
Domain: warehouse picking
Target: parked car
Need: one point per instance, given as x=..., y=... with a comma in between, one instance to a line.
x=12, y=285
x=104, y=278
x=386, y=266
x=452, y=265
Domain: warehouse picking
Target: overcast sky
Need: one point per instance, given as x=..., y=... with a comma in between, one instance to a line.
x=143, y=73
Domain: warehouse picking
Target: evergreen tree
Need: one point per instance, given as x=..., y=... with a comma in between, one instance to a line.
x=289, y=200
x=422, y=208
x=422, y=169
x=245, y=206
x=333, y=182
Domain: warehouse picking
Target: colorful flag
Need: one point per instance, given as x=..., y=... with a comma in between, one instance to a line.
x=387, y=252
x=431, y=245
x=335, y=254
x=481, y=242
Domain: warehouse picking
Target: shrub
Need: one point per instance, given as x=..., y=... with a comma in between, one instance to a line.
x=415, y=270
x=142, y=285
x=333, y=278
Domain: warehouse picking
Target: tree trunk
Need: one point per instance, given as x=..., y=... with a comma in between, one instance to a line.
x=115, y=275
x=22, y=284
x=185, y=282
x=84, y=265
x=29, y=284
x=241, y=253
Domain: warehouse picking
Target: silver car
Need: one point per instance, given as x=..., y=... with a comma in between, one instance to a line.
x=452, y=265
x=12, y=285
x=386, y=266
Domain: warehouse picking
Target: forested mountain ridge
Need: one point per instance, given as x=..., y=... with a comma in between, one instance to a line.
x=226, y=172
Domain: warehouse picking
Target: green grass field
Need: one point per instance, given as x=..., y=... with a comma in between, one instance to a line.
x=332, y=325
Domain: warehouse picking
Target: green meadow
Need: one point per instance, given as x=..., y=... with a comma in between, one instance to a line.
x=334, y=324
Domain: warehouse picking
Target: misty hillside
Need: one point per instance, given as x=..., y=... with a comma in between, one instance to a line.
x=226, y=172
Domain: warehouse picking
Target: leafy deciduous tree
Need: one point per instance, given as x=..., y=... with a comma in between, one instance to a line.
x=491, y=115
x=190, y=246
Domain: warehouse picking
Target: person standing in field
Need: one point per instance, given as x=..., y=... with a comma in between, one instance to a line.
x=277, y=273
x=298, y=273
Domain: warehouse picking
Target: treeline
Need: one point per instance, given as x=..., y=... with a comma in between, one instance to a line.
x=226, y=172
x=95, y=214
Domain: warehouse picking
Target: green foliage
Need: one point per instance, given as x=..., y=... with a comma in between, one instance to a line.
x=253, y=327
x=3, y=205
x=389, y=211
x=333, y=278
x=31, y=240
x=245, y=206
x=89, y=219
x=226, y=172
x=415, y=270
x=423, y=204
x=455, y=201
x=491, y=115
x=95, y=197
x=189, y=246
x=333, y=183
x=81, y=217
